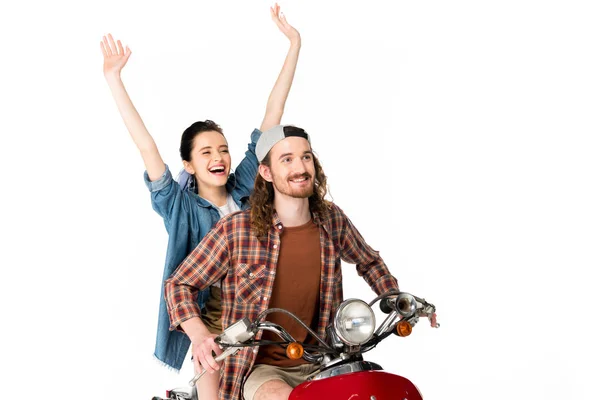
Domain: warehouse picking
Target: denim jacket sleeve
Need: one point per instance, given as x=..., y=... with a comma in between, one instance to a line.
x=166, y=195
x=242, y=180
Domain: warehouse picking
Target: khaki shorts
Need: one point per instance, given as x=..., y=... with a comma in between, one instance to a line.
x=211, y=313
x=263, y=373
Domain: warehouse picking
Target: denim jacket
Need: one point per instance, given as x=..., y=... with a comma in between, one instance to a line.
x=188, y=218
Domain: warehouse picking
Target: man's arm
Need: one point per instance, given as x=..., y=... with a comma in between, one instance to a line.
x=203, y=344
x=205, y=265
x=369, y=264
x=279, y=93
x=115, y=58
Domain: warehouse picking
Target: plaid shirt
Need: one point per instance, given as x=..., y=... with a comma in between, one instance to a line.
x=247, y=267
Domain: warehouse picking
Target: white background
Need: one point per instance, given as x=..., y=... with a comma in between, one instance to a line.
x=461, y=137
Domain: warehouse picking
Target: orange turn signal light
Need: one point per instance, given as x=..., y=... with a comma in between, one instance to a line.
x=294, y=351
x=403, y=328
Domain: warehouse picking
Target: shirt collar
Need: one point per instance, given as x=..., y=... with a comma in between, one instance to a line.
x=276, y=221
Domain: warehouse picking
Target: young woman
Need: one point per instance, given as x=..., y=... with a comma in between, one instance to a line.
x=206, y=192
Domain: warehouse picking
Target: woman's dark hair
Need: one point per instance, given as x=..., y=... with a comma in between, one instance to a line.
x=187, y=139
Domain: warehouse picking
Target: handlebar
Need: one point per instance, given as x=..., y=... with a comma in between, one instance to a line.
x=400, y=307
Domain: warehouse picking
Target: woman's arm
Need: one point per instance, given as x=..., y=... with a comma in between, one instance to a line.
x=115, y=58
x=279, y=94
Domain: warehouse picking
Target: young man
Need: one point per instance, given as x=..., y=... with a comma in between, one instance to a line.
x=284, y=252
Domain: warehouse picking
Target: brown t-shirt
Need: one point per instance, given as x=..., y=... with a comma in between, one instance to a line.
x=296, y=289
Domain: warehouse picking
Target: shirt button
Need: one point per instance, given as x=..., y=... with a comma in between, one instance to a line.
x=251, y=274
x=272, y=272
x=279, y=226
x=265, y=298
x=274, y=246
x=255, y=351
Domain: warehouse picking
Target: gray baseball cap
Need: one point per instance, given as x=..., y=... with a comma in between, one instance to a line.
x=271, y=137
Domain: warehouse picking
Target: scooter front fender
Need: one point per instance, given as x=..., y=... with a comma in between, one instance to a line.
x=364, y=385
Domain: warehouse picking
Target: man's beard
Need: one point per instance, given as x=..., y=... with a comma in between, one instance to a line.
x=284, y=186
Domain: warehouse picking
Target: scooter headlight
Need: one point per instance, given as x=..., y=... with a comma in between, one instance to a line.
x=354, y=322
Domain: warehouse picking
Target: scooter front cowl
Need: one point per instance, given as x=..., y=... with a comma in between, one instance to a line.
x=364, y=385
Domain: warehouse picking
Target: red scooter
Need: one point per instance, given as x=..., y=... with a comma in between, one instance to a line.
x=343, y=373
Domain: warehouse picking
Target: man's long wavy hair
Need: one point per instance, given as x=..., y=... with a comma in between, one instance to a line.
x=261, y=200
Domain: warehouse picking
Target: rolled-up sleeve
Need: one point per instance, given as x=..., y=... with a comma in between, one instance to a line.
x=205, y=265
x=160, y=183
x=167, y=197
x=245, y=172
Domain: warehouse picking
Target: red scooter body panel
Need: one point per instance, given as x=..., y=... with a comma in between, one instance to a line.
x=358, y=386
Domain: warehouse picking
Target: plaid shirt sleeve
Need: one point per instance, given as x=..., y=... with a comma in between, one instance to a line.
x=205, y=265
x=369, y=264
